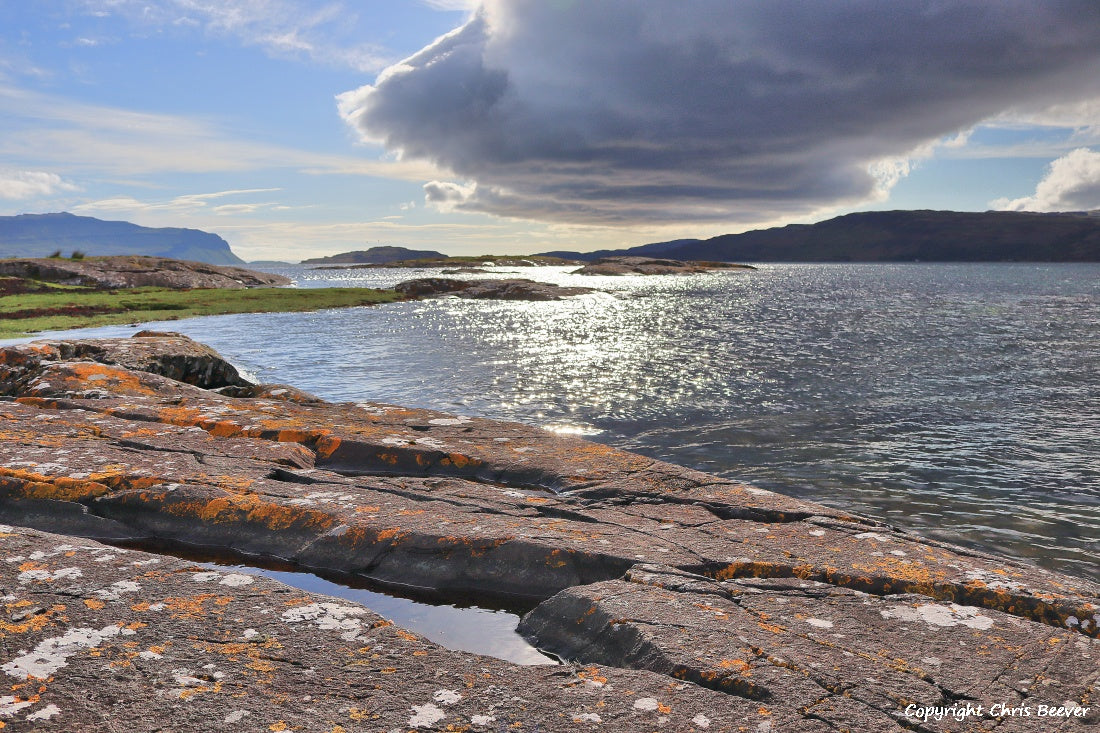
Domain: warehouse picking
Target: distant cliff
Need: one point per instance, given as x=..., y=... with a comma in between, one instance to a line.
x=39, y=235
x=375, y=256
x=896, y=236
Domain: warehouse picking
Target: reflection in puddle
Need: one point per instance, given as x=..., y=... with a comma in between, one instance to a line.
x=471, y=629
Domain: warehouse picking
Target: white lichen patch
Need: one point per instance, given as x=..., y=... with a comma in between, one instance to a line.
x=875, y=536
x=483, y=719
x=701, y=721
x=45, y=713
x=10, y=705
x=446, y=697
x=236, y=716
x=113, y=591
x=52, y=654
x=820, y=623
x=28, y=576
x=432, y=443
x=938, y=615
x=236, y=580
x=425, y=715
x=329, y=617
x=587, y=718
x=647, y=704
x=205, y=577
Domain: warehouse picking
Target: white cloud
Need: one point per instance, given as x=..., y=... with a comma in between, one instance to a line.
x=1072, y=183
x=619, y=112
x=19, y=185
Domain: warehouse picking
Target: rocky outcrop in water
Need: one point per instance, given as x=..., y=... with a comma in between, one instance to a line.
x=137, y=272
x=509, y=289
x=653, y=266
x=375, y=256
x=683, y=601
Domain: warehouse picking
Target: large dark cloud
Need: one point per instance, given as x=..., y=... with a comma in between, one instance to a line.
x=723, y=110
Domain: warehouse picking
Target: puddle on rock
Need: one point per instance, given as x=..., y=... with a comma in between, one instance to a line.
x=471, y=629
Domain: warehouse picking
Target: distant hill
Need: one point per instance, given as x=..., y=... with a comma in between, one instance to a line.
x=375, y=256
x=897, y=236
x=39, y=235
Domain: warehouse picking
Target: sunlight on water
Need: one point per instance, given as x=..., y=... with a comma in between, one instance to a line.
x=962, y=401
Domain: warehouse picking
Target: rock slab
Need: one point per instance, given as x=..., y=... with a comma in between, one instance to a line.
x=681, y=600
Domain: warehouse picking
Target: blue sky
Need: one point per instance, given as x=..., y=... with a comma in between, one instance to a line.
x=295, y=129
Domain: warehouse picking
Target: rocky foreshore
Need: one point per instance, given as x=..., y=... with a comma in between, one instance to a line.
x=137, y=272
x=680, y=601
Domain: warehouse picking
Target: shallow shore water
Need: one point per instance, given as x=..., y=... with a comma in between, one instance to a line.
x=960, y=401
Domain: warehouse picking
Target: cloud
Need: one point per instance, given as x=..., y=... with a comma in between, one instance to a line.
x=294, y=28
x=187, y=203
x=20, y=185
x=451, y=4
x=1072, y=183
x=102, y=140
x=621, y=112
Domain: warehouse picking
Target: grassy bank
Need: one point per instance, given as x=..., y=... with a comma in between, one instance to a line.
x=58, y=308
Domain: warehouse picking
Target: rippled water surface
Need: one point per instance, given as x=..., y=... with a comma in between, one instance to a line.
x=961, y=401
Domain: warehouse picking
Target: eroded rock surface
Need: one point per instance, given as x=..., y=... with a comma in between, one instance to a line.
x=136, y=272
x=97, y=638
x=821, y=619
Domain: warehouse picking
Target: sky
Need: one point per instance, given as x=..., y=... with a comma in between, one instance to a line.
x=296, y=129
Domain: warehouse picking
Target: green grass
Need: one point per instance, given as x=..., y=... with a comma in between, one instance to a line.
x=27, y=313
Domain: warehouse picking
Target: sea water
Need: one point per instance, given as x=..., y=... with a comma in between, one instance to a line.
x=958, y=401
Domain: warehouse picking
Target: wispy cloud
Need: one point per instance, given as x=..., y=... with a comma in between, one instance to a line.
x=78, y=138
x=451, y=4
x=321, y=33
x=186, y=204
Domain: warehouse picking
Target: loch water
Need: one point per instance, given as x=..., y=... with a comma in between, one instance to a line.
x=958, y=401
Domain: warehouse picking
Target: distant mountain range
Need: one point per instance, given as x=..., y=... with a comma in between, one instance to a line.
x=39, y=235
x=375, y=256
x=895, y=236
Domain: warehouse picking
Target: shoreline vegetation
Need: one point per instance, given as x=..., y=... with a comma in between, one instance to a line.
x=60, y=308
x=57, y=294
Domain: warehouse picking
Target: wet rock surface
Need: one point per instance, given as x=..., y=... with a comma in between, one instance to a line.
x=136, y=272
x=507, y=289
x=653, y=266
x=741, y=607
